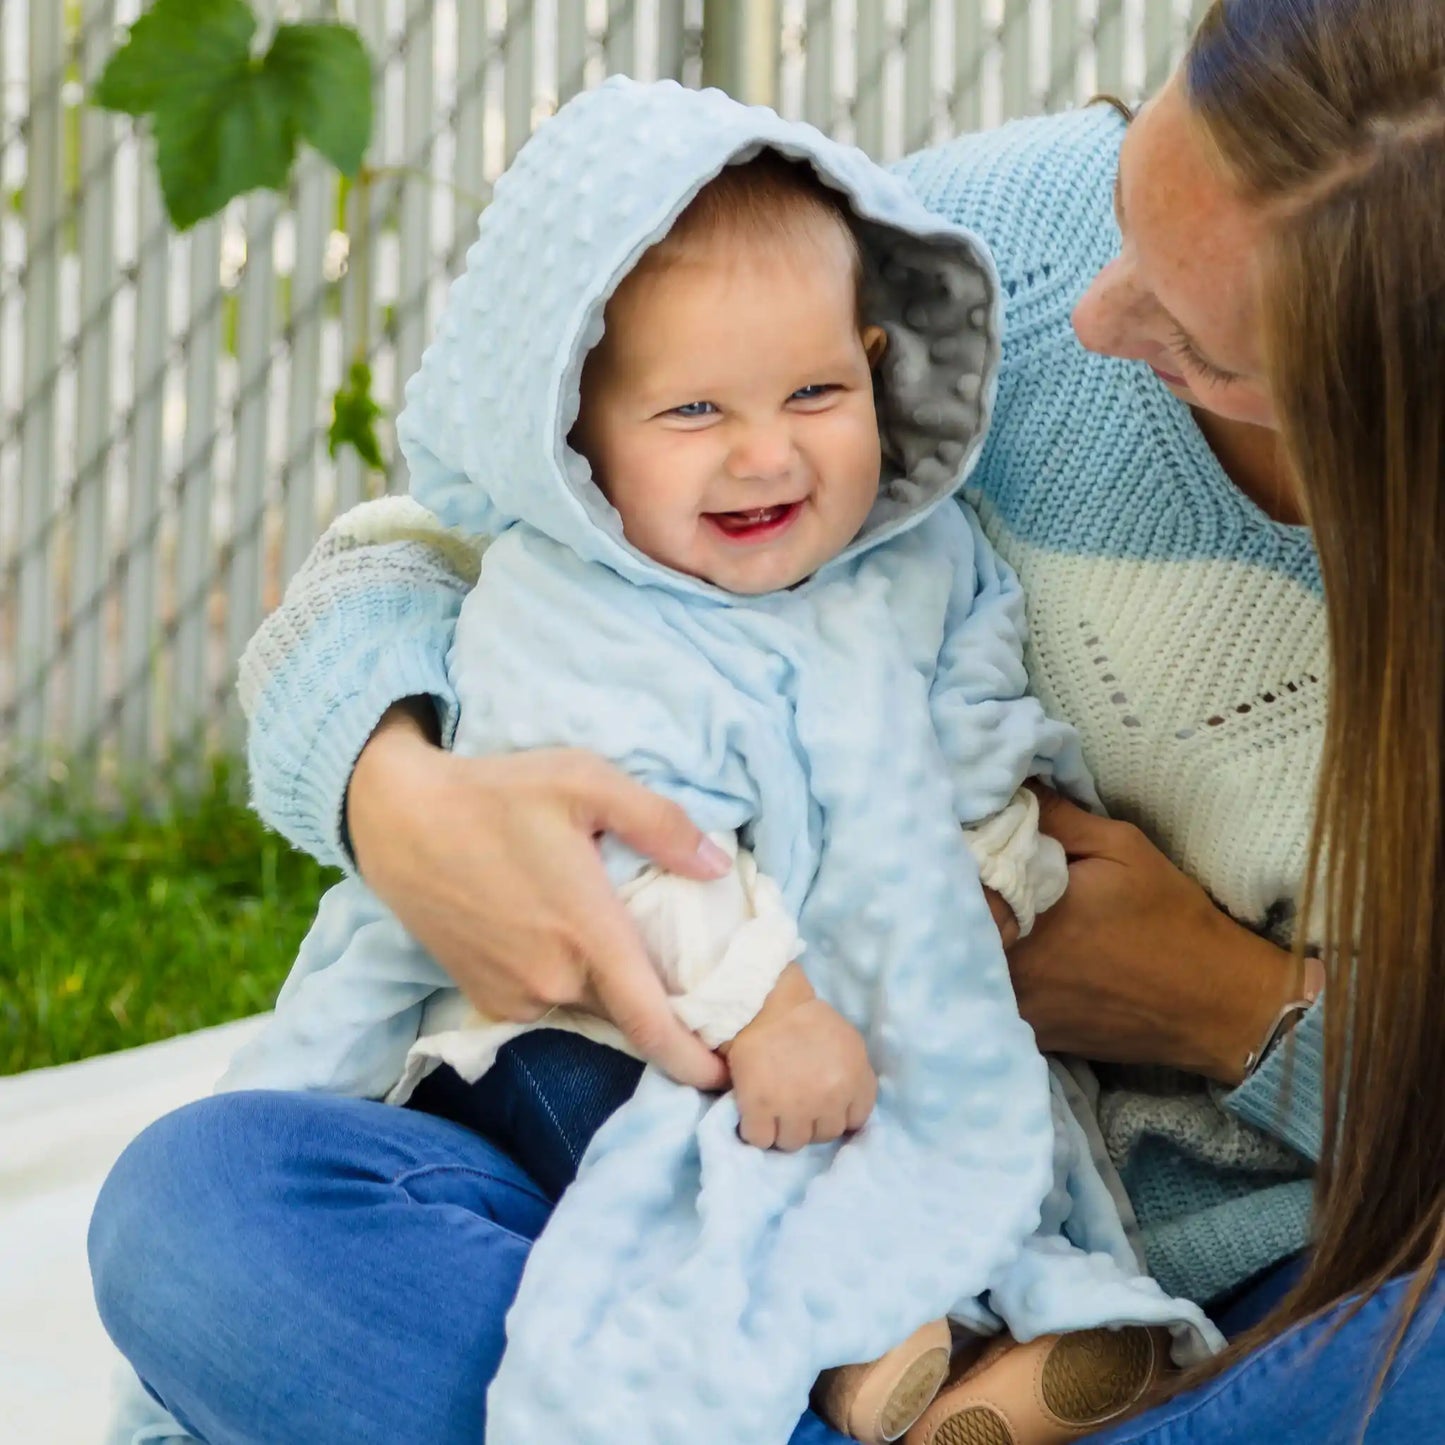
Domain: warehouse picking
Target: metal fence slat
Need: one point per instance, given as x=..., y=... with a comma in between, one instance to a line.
x=143, y=479
x=518, y=80
x=868, y=118
x=818, y=45
x=44, y=209
x=1109, y=48
x=1063, y=86
x=970, y=46
x=619, y=42
x=414, y=231
x=918, y=74
x=192, y=553
x=315, y=203
x=365, y=217
x=1161, y=34
x=88, y=570
x=1017, y=40
x=257, y=303
x=469, y=164
x=7, y=103
x=671, y=39
x=571, y=48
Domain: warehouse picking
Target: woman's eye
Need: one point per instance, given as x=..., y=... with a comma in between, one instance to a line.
x=694, y=409
x=814, y=392
x=1184, y=348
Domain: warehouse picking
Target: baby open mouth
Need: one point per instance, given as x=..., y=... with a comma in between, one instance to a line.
x=752, y=523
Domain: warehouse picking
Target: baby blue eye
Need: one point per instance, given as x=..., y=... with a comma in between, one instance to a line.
x=812, y=393
x=694, y=408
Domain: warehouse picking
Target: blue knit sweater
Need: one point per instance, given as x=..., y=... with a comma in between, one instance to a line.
x=1178, y=627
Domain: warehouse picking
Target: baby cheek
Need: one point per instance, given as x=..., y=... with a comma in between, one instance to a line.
x=860, y=468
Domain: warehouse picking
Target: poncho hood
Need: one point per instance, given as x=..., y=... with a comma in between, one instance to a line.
x=485, y=425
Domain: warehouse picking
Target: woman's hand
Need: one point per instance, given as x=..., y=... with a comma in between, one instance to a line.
x=800, y=1070
x=491, y=865
x=1004, y=917
x=1136, y=965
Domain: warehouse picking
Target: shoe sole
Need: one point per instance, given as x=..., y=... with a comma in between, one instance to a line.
x=1088, y=1379
x=914, y=1393
x=1094, y=1375
x=974, y=1426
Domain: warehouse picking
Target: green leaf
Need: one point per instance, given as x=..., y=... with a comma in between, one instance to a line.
x=227, y=122
x=210, y=148
x=177, y=45
x=326, y=74
x=354, y=416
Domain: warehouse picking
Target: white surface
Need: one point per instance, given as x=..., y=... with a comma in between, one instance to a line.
x=60, y=1131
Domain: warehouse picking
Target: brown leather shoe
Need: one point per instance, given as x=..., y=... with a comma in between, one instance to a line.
x=877, y=1401
x=1047, y=1392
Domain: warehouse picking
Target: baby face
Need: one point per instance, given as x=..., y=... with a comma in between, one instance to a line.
x=729, y=413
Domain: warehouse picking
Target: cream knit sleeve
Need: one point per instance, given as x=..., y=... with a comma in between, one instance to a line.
x=366, y=621
x=1027, y=868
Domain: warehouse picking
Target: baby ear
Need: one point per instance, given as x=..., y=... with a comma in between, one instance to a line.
x=875, y=343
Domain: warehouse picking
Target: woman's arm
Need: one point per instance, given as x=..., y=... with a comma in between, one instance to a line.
x=366, y=622
x=1136, y=965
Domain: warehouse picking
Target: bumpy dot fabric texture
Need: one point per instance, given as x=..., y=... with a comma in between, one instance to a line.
x=690, y=1286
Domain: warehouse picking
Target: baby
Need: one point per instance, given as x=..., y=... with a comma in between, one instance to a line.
x=728, y=416
x=712, y=382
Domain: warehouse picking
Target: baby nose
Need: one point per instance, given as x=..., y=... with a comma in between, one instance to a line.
x=762, y=453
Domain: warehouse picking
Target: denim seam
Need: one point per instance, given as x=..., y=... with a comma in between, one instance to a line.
x=402, y=1181
x=542, y=1099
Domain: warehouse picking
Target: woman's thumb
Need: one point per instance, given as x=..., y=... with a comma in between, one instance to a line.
x=1078, y=830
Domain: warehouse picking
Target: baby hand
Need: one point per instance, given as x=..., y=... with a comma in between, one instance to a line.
x=800, y=1071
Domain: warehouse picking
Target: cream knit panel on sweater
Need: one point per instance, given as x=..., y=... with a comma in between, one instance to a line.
x=1198, y=688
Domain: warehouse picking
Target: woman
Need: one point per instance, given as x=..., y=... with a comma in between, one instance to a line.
x=1267, y=344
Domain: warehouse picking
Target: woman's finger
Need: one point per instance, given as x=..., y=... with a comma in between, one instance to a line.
x=1003, y=917
x=650, y=825
x=630, y=993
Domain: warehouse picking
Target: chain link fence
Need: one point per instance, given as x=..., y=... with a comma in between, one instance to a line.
x=164, y=399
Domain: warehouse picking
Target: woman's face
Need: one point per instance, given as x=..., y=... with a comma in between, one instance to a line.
x=1183, y=295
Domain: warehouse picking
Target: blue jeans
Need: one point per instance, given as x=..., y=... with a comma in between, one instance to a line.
x=298, y=1268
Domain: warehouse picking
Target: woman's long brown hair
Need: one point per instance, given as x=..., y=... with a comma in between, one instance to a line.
x=1330, y=115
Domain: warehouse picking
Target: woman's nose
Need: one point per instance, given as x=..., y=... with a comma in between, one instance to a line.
x=1112, y=315
x=762, y=453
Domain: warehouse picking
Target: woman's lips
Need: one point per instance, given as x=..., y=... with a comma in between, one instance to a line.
x=1169, y=378
x=761, y=524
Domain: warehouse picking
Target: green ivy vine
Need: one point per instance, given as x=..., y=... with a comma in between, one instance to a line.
x=229, y=119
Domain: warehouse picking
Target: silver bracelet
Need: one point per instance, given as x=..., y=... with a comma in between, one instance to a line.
x=1285, y=1020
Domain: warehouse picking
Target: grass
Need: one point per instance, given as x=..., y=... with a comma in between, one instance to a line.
x=146, y=928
